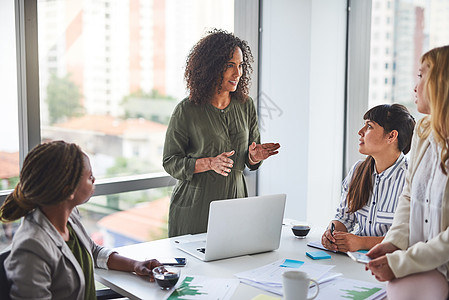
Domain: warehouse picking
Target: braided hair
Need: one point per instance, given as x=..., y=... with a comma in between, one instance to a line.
x=50, y=174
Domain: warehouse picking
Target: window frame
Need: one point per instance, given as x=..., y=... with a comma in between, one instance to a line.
x=357, y=78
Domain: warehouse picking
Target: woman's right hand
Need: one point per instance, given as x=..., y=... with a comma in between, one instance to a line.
x=328, y=240
x=144, y=268
x=380, y=269
x=221, y=163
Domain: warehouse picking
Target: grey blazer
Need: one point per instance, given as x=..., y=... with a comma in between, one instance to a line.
x=42, y=266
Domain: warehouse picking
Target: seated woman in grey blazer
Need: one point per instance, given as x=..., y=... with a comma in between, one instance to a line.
x=52, y=256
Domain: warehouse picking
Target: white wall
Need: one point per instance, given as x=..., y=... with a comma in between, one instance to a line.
x=327, y=82
x=302, y=80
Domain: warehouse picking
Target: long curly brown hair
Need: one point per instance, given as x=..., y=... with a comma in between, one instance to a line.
x=206, y=63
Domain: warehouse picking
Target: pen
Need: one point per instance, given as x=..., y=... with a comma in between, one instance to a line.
x=332, y=230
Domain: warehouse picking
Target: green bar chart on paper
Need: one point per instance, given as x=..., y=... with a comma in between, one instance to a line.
x=186, y=289
x=361, y=293
x=345, y=288
x=202, y=287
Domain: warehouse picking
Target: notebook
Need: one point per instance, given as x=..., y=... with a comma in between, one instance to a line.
x=318, y=245
x=239, y=227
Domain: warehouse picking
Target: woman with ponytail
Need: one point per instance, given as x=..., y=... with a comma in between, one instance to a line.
x=52, y=256
x=371, y=190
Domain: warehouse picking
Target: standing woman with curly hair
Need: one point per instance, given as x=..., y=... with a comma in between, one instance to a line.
x=414, y=256
x=52, y=256
x=213, y=133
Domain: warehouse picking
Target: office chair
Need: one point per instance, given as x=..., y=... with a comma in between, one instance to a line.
x=5, y=286
x=108, y=294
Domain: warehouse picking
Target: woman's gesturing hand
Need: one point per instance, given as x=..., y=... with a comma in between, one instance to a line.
x=258, y=152
x=221, y=163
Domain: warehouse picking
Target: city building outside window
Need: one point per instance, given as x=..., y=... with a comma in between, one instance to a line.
x=411, y=28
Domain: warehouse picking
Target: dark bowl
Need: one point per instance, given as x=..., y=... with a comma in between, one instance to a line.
x=301, y=230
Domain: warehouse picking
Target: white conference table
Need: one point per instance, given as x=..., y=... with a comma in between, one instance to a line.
x=134, y=287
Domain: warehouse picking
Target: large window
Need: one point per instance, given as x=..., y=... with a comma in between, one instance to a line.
x=383, y=68
x=9, y=129
x=142, y=216
x=401, y=31
x=110, y=73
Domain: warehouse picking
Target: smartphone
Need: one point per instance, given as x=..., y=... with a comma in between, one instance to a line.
x=359, y=257
x=173, y=261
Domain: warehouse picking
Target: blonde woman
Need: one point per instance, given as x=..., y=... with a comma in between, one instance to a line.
x=414, y=256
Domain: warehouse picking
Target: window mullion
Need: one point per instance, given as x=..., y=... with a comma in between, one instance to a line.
x=27, y=76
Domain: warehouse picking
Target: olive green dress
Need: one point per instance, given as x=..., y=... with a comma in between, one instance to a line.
x=198, y=131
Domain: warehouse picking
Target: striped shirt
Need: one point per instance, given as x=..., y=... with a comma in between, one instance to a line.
x=376, y=217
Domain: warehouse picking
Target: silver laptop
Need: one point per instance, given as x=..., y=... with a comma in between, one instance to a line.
x=239, y=227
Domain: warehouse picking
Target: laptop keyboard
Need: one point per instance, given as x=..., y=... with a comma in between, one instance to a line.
x=202, y=250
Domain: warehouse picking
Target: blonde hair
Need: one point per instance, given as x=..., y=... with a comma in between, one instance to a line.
x=436, y=88
x=50, y=174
